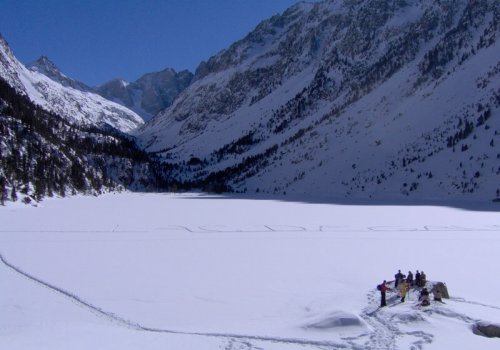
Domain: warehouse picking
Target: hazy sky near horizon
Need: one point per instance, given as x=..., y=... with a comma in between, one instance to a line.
x=97, y=40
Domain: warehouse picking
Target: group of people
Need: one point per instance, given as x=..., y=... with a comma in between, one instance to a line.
x=403, y=284
x=419, y=281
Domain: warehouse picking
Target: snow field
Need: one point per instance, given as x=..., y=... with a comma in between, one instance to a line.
x=252, y=273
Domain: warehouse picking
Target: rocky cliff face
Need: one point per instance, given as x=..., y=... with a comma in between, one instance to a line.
x=372, y=98
x=150, y=94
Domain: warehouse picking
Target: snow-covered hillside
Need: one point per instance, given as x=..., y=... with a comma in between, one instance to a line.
x=370, y=99
x=153, y=271
x=78, y=106
x=43, y=154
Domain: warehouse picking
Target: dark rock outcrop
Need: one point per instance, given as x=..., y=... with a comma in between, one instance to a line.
x=486, y=329
x=440, y=289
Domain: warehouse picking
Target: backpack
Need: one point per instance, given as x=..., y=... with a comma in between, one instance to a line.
x=379, y=287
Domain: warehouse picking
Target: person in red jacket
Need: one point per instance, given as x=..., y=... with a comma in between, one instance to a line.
x=383, y=288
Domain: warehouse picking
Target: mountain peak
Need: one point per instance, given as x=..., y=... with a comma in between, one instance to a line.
x=45, y=66
x=5, y=48
x=3, y=42
x=43, y=63
x=116, y=82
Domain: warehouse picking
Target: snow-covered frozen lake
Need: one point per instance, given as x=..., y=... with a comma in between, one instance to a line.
x=163, y=271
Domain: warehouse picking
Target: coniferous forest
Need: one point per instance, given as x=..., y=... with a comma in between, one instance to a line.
x=43, y=154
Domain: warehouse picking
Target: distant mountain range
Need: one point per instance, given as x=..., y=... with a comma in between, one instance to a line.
x=147, y=96
x=59, y=94
x=338, y=98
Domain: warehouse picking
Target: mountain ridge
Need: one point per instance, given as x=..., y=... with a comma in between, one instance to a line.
x=365, y=100
x=309, y=102
x=146, y=96
x=78, y=106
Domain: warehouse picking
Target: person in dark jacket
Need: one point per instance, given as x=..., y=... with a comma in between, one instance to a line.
x=417, y=279
x=409, y=279
x=383, y=289
x=424, y=297
x=423, y=279
x=398, y=277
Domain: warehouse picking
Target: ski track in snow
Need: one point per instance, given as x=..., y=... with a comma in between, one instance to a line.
x=462, y=300
x=236, y=341
x=384, y=331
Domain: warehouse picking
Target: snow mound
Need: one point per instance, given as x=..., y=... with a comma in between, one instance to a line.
x=408, y=317
x=335, y=319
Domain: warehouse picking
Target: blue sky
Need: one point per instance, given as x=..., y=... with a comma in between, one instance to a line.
x=97, y=40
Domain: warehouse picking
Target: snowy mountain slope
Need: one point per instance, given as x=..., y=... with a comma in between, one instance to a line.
x=347, y=98
x=44, y=155
x=75, y=105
